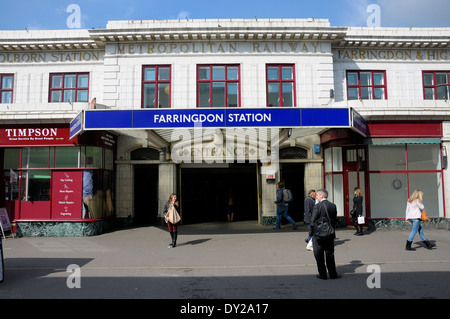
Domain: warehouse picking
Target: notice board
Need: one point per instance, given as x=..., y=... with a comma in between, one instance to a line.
x=67, y=199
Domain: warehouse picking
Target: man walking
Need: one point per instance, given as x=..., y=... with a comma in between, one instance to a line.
x=324, y=248
x=308, y=209
x=282, y=207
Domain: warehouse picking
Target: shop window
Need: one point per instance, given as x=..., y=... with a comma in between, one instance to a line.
x=387, y=157
x=35, y=185
x=280, y=85
x=11, y=158
x=6, y=88
x=66, y=157
x=334, y=179
x=218, y=86
x=366, y=85
x=93, y=157
x=436, y=85
x=388, y=195
x=109, y=159
x=156, y=86
x=424, y=157
x=11, y=162
x=397, y=170
x=69, y=87
x=35, y=157
x=431, y=185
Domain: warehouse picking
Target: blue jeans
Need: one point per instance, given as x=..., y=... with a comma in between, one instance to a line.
x=416, y=227
x=283, y=211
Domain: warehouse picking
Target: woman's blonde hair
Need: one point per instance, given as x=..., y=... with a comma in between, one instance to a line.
x=171, y=196
x=358, y=191
x=418, y=194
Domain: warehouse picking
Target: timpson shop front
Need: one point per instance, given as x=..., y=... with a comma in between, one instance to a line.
x=54, y=185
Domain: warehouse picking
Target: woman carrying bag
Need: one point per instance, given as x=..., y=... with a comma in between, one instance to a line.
x=172, y=218
x=414, y=208
x=357, y=211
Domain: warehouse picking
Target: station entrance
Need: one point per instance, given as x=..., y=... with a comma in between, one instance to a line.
x=145, y=194
x=293, y=175
x=204, y=192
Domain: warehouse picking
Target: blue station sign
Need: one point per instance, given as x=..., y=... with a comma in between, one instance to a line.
x=221, y=118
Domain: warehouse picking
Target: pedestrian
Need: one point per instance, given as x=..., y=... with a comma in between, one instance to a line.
x=230, y=205
x=171, y=209
x=282, y=207
x=324, y=248
x=357, y=211
x=414, y=207
x=309, y=203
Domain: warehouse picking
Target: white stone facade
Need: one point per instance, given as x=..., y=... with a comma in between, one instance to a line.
x=114, y=58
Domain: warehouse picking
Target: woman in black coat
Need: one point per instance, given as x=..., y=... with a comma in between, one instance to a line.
x=357, y=210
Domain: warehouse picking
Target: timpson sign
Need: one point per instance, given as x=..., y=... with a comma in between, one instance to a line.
x=30, y=136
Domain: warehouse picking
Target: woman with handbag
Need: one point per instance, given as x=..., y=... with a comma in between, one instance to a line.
x=357, y=211
x=414, y=208
x=172, y=218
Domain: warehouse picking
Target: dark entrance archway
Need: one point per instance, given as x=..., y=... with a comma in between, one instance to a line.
x=204, y=192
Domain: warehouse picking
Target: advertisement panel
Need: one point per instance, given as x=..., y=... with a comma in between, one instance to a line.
x=67, y=194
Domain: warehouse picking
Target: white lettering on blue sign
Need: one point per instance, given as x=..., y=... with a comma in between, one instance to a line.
x=249, y=117
x=187, y=118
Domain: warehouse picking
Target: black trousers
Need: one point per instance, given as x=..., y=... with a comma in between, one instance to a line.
x=324, y=252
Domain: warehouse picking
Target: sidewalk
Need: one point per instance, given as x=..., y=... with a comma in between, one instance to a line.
x=239, y=260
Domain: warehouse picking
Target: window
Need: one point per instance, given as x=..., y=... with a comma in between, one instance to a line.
x=69, y=87
x=366, y=85
x=218, y=86
x=436, y=85
x=6, y=88
x=280, y=85
x=156, y=86
x=396, y=170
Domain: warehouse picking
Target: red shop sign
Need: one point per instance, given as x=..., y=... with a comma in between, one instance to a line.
x=67, y=194
x=34, y=136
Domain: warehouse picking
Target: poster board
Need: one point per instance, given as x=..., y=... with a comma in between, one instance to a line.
x=1, y=261
x=5, y=224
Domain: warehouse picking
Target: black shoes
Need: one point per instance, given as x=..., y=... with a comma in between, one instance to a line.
x=408, y=245
x=428, y=245
x=331, y=277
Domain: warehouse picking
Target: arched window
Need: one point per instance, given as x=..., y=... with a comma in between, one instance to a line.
x=293, y=153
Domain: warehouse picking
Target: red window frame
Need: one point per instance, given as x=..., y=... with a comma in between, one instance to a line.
x=63, y=89
x=373, y=86
x=435, y=86
x=280, y=81
x=2, y=89
x=157, y=81
x=226, y=81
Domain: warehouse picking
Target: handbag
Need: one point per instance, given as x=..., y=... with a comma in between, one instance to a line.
x=424, y=215
x=172, y=215
x=323, y=229
x=361, y=220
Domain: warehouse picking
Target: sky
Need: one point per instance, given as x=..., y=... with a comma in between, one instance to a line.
x=59, y=14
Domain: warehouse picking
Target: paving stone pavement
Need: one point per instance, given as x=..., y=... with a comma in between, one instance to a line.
x=239, y=260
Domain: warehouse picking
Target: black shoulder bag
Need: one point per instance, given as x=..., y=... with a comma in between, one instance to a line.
x=323, y=228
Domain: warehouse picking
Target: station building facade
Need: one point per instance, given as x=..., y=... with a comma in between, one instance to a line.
x=354, y=107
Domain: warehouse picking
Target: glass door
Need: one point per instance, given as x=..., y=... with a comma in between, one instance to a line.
x=354, y=176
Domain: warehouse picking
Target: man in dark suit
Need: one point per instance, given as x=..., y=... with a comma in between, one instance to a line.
x=324, y=249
